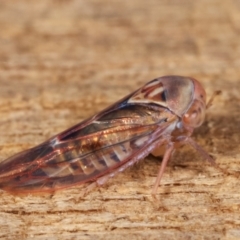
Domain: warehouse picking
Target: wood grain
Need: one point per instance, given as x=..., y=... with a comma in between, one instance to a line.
x=62, y=61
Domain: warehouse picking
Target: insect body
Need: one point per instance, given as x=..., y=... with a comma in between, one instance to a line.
x=162, y=113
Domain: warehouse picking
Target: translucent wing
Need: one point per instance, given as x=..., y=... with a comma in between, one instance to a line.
x=89, y=150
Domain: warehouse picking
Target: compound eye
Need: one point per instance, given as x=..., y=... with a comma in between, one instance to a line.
x=190, y=118
x=194, y=117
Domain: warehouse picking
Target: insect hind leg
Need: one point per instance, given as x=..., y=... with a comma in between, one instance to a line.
x=103, y=179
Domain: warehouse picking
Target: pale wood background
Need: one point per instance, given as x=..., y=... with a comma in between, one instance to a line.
x=62, y=61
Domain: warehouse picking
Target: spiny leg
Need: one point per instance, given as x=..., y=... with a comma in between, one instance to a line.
x=166, y=157
x=103, y=179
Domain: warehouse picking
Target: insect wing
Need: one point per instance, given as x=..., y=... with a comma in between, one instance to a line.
x=83, y=154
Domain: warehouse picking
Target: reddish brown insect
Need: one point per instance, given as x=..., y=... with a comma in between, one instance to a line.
x=162, y=113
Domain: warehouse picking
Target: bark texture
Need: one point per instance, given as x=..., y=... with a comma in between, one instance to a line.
x=62, y=61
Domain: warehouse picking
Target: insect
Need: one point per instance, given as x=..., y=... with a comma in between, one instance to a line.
x=161, y=114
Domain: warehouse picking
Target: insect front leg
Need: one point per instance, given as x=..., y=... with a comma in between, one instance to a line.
x=202, y=152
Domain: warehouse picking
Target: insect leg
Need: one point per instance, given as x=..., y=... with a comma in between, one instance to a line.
x=102, y=180
x=203, y=153
x=135, y=158
x=166, y=157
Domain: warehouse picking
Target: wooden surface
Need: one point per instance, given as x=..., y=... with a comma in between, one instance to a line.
x=63, y=61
